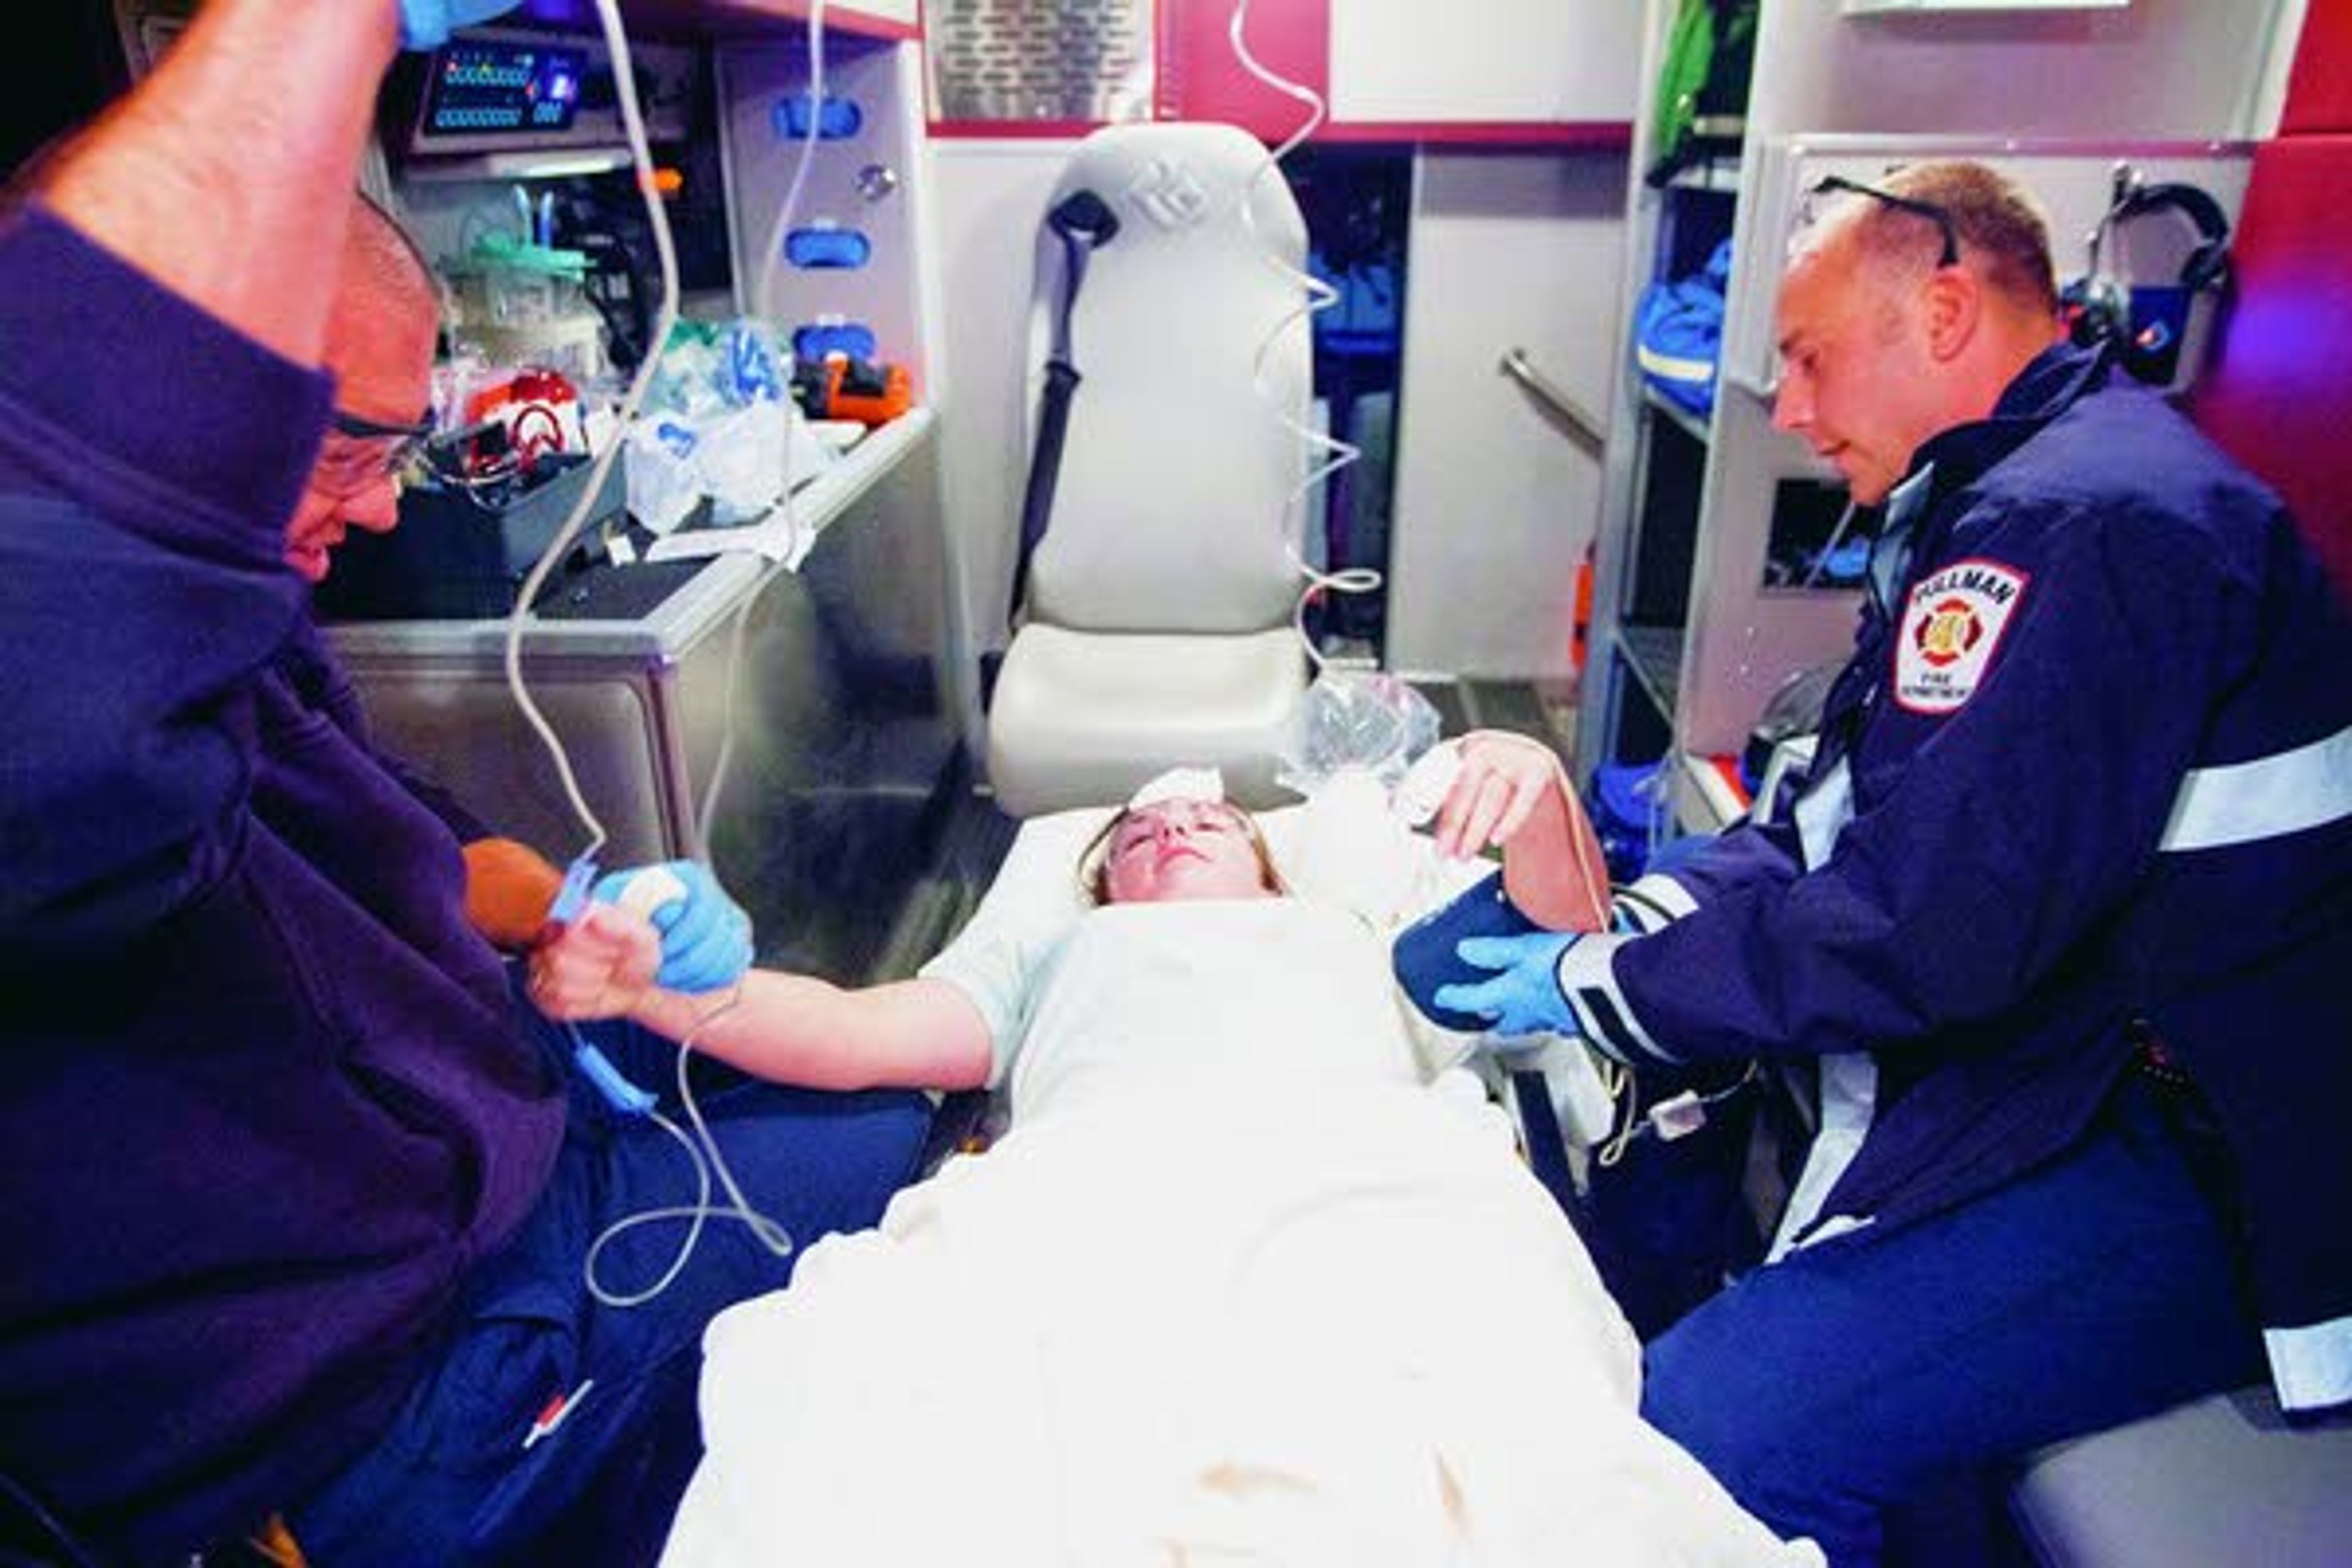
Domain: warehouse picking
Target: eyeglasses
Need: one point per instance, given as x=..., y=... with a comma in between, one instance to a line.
x=360, y=452
x=1829, y=183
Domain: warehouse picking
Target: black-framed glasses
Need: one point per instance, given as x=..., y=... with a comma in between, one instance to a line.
x=1829, y=183
x=362, y=451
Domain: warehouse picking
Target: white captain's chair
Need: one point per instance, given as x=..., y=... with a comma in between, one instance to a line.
x=1156, y=626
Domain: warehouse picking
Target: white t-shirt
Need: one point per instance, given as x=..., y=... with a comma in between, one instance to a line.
x=1164, y=999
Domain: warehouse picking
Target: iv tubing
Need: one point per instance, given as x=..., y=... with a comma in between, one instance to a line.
x=702, y=1151
x=1321, y=296
x=700, y=1148
x=616, y=43
x=763, y=298
x=626, y=92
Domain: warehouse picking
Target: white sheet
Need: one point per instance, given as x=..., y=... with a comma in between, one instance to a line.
x=1193, y=1328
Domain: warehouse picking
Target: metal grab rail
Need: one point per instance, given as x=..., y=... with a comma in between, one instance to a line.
x=1577, y=424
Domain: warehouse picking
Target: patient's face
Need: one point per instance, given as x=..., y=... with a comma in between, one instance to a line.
x=1182, y=849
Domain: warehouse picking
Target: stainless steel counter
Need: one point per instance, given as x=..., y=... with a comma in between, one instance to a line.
x=845, y=735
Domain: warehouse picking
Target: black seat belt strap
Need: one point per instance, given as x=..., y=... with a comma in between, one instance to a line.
x=1085, y=224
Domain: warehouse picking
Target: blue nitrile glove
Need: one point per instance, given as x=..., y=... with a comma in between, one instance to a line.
x=1524, y=997
x=706, y=937
x=426, y=23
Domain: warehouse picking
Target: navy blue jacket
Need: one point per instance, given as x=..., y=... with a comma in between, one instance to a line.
x=2098, y=746
x=264, y=1100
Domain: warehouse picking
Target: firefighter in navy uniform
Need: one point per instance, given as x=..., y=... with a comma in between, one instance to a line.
x=2062, y=920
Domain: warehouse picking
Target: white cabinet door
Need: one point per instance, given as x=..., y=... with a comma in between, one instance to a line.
x=1494, y=506
x=1485, y=60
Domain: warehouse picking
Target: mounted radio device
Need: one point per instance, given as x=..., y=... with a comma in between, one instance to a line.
x=2153, y=326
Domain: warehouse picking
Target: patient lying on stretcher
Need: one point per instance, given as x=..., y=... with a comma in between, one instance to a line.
x=1241, y=1281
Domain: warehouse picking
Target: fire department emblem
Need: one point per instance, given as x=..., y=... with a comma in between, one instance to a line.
x=1951, y=626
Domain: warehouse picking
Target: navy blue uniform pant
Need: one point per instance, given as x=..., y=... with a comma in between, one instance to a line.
x=1857, y=1371
x=461, y=1478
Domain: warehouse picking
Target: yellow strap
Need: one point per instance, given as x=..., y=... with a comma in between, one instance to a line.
x=276, y=1542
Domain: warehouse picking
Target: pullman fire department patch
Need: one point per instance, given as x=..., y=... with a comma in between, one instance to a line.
x=1951, y=625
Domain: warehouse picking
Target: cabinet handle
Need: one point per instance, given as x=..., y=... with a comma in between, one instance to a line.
x=1578, y=426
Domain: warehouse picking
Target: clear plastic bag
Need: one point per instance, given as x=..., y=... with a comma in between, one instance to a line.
x=741, y=460
x=1357, y=722
x=718, y=424
x=664, y=482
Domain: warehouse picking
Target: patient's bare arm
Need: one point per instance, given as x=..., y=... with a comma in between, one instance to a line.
x=1513, y=793
x=793, y=1028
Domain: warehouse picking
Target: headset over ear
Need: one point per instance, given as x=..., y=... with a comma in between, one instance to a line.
x=2149, y=324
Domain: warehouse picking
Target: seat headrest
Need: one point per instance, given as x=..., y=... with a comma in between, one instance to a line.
x=1178, y=486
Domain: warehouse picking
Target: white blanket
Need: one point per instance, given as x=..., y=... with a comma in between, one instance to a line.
x=1203, y=1329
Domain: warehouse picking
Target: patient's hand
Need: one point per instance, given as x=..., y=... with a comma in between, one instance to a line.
x=602, y=965
x=1513, y=793
x=1504, y=778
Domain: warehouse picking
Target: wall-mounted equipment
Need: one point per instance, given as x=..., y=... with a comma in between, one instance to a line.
x=493, y=89
x=2157, y=324
x=514, y=104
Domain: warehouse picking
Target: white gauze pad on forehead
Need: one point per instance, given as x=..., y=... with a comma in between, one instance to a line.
x=1180, y=783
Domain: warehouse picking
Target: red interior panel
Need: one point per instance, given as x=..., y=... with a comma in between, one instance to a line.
x=2319, y=90
x=2278, y=392
x=1201, y=79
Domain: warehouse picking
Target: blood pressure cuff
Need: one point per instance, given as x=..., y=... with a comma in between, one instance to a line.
x=1424, y=955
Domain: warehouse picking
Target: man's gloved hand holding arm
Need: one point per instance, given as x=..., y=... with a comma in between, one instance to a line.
x=1523, y=995
x=706, y=937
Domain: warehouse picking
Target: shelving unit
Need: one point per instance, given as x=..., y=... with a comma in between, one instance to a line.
x=1634, y=705
x=1657, y=404
x=1654, y=656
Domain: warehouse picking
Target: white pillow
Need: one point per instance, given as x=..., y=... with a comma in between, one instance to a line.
x=1344, y=846
x=1037, y=890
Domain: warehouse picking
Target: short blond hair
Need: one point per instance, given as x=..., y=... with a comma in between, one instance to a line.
x=2000, y=227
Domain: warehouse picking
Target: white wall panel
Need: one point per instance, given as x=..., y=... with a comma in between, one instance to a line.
x=2157, y=70
x=1494, y=506
x=1484, y=59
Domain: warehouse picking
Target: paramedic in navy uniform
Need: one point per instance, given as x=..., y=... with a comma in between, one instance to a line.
x=296, y=1193
x=2063, y=918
